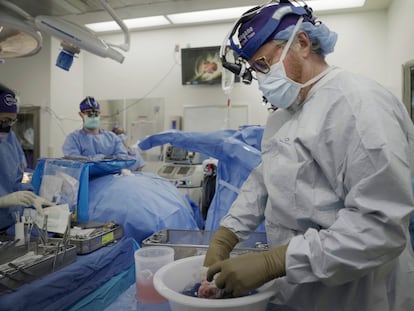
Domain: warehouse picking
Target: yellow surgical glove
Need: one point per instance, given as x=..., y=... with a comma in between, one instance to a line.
x=241, y=274
x=221, y=244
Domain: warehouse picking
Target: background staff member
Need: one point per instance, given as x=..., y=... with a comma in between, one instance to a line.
x=12, y=191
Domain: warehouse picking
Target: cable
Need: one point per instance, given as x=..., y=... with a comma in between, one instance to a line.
x=150, y=91
x=58, y=119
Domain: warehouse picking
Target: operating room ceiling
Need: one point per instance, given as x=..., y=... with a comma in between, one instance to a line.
x=91, y=11
x=19, y=37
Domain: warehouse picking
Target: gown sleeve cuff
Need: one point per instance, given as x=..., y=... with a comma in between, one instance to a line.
x=298, y=267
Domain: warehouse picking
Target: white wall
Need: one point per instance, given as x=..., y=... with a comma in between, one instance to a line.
x=152, y=69
x=369, y=43
x=400, y=42
x=30, y=77
x=361, y=38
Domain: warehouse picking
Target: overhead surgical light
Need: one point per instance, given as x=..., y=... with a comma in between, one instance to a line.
x=65, y=57
x=74, y=37
x=17, y=37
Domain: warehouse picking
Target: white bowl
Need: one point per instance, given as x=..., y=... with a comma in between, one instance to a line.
x=173, y=278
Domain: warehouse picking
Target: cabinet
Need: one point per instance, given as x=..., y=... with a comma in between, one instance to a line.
x=27, y=130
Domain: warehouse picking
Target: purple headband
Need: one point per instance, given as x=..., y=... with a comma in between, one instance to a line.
x=266, y=23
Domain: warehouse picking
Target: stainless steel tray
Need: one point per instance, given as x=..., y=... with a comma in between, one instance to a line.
x=195, y=242
x=104, y=234
x=16, y=271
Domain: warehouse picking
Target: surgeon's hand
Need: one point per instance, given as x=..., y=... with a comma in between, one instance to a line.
x=241, y=274
x=221, y=245
x=24, y=198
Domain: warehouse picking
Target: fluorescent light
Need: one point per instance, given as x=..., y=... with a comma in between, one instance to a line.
x=132, y=23
x=213, y=15
x=208, y=15
x=146, y=22
x=325, y=5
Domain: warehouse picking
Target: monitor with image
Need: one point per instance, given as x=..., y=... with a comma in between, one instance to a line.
x=201, y=65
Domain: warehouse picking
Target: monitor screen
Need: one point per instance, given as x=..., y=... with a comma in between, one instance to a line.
x=178, y=154
x=201, y=65
x=183, y=170
x=168, y=169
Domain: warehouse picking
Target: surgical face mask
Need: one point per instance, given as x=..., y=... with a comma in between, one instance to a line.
x=275, y=85
x=278, y=89
x=92, y=123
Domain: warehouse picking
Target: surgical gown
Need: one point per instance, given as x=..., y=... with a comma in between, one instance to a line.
x=335, y=183
x=83, y=144
x=11, y=175
x=238, y=154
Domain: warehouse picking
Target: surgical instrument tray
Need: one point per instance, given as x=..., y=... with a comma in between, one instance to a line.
x=195, y=242
x=19, y=265
x=101, y=235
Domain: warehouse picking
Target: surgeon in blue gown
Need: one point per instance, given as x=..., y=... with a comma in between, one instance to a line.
x=93, y=143
x=13, y=194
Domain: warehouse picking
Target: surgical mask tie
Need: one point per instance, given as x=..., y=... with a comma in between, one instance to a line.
x=276, y=86
x=281, y=91
x=92, y=123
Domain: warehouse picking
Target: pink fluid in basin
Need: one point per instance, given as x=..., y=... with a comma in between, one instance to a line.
x=146, y=293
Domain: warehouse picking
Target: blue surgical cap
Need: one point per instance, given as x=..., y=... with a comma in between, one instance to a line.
x=264, y=24
x=327, y=38
x=8, y=100
x=89, y=103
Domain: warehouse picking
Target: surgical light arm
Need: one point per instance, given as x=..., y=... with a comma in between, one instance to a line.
x=74, y=37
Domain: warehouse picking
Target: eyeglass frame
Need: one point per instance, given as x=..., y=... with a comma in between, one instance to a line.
x=91, y=113
x=267, y=60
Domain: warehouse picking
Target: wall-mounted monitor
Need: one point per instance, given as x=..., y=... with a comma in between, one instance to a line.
x=201, y=66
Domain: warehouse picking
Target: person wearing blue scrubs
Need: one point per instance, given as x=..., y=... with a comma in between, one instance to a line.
x=92, y=142
x=13, y=193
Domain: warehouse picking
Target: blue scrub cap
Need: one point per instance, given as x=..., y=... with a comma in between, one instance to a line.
x=115, y=128
x=260, y=25
x=89, y=103
x=8, y=100
x=327, y=39
x=276, y=21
